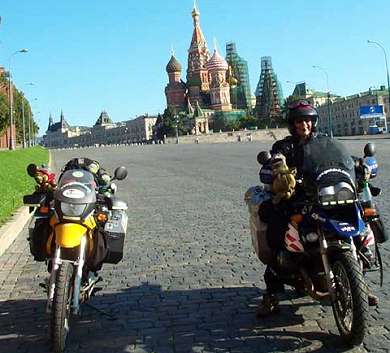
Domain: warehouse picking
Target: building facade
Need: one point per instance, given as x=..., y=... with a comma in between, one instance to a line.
x=345, y=112
x=104, y=132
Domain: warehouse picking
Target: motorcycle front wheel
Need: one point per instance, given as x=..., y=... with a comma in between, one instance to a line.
x=350, y=307
x=60, y=312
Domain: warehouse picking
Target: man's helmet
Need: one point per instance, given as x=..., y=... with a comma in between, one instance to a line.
x=299, y=110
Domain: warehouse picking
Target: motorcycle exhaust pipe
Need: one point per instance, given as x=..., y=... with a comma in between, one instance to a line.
x=310, y=287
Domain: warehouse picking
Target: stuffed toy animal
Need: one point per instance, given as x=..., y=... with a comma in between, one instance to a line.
x=45, y=180
x=283, y=185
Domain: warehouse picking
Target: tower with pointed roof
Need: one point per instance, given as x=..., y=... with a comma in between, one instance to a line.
x=269, y=94
x=63, y=123
x=62, y=126
x=50, y=121
x=241, y=96
x=198, y=56
x=103, y=119
x=62, y=120
x=175, y=91
x=219, y=88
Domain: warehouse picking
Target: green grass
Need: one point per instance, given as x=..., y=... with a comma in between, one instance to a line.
x=14, y=181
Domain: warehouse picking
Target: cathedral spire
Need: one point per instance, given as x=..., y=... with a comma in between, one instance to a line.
x=195, y=14
x=50, y=121
x=62, y=119
x=198, y=40
x=198, y=55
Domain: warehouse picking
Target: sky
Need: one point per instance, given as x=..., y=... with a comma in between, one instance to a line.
x=86, y=56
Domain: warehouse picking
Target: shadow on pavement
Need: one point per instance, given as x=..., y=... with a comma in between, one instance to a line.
x=148, y=319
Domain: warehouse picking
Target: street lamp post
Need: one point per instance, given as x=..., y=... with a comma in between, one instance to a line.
x=177, y=128
x=330, y=122
x=10, y=101
x=387, y=73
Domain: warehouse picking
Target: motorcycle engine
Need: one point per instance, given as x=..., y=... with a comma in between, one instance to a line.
x=287, y=261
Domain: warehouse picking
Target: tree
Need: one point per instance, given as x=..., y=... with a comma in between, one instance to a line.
x=248, y=121
x=167, y=124
x=3, y=113
x=18, y=99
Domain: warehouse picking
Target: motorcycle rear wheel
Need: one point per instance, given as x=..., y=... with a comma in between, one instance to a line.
x=60, y=313
x=350, y=308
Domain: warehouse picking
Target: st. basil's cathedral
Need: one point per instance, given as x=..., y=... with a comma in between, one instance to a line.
x=211, y=88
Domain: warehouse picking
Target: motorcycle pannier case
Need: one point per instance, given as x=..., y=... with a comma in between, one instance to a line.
x=39, y=233
x=115, y=232
x=254, y=197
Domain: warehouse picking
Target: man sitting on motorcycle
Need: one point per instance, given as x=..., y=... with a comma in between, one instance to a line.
x=287, y=164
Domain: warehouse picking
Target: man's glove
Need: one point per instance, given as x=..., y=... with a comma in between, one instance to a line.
x=283, y=185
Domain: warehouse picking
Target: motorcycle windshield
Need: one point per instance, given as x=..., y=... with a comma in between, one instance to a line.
x=76, y=186
x=324, y=154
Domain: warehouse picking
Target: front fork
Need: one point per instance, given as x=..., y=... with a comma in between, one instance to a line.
x=328, y=269
x=79, y=264
x=56, y=262
x=79, y=274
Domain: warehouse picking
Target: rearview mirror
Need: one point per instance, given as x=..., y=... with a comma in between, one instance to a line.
x=263, y=157
x=120, y=173
x=32, y=170
x=369, y=150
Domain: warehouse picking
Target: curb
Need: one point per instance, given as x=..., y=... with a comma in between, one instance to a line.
x=11, y=230
x=14, y=226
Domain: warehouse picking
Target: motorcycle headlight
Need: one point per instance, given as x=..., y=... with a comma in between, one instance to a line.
x=327, y=195
x=72, y=210
x=312, y=237
x=345, y=194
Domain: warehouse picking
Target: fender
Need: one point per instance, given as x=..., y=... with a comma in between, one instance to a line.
x=68, y=235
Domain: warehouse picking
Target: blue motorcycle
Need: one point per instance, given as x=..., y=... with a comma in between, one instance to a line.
x=332, y=237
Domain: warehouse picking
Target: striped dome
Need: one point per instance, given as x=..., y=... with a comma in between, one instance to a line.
x=217, y=62
x=173, y=65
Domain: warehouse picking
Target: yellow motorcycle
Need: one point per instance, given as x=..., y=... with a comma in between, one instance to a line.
x=77, y=228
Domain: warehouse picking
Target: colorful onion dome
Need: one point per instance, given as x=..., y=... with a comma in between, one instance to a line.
x=217, y=62
x=173, y=65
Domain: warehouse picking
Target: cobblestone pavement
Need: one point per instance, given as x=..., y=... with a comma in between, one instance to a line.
x=189, y=281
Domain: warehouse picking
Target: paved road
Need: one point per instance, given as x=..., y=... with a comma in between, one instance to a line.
x=189, y=282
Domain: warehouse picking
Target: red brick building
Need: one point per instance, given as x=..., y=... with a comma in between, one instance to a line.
x=4, y=137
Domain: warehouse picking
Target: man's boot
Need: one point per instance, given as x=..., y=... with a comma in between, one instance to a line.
x=269, y=305
x=373, y=300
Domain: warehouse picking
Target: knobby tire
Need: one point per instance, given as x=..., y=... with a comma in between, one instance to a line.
x=352, y=273
x=61, y=307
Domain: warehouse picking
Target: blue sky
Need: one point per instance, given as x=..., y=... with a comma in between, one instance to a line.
x=89, y=55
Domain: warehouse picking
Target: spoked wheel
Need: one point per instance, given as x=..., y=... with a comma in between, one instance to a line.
x=60, y=314
x=350, y=308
